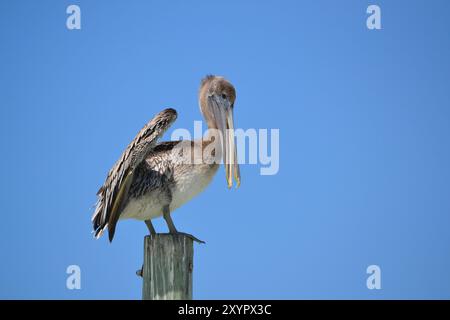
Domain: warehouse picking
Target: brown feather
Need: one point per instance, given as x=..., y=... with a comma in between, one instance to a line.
x=113, y=193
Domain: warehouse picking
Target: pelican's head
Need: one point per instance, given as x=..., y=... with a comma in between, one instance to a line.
x=217, y=96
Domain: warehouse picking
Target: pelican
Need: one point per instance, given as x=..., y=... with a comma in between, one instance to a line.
x=152, y=179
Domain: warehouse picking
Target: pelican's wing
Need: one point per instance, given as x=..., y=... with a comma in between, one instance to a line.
x=114, y=193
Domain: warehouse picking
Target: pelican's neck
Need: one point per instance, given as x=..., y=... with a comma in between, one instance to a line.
x=211, y=142
x=208, y=119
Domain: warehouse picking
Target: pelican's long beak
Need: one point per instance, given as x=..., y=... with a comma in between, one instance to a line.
x=222, y=111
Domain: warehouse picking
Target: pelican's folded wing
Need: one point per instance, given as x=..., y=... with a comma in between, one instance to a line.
x=114, y=193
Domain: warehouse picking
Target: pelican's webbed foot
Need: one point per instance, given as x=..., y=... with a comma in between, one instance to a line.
x=189, y=236
x=171, y=226
x=140, y=272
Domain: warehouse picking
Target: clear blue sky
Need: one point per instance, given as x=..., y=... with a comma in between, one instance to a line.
x=364, y=119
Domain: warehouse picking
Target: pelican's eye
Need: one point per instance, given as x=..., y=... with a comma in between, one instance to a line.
x=224, y=96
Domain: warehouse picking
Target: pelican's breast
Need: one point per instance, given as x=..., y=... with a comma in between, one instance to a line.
x=147, y=206
x=189, y=181
x=169, y=177
x=193, y=170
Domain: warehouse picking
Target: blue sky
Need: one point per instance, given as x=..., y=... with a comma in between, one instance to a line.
x=364, y=125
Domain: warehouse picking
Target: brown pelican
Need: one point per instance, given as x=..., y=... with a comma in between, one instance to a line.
x=152, y=179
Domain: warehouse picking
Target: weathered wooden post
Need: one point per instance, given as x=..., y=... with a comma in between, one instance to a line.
x=168, y=265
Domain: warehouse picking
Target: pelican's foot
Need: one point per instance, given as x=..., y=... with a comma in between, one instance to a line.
x=189, y=236
x=140, y=272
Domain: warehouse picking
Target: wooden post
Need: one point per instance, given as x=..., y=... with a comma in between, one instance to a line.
x=167, y=270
